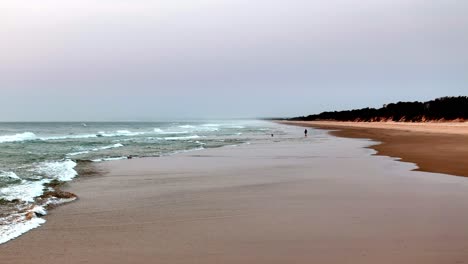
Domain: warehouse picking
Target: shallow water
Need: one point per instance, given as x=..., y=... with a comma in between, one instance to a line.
x=35, y=155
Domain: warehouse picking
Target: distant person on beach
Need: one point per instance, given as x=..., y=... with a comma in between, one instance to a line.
x=305, y=133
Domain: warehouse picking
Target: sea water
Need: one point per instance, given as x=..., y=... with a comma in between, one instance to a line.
x=33, y=156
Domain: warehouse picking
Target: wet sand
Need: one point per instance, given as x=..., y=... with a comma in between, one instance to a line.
x=317, y=200
x=434, y=147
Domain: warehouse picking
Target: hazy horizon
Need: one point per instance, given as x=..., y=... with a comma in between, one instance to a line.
x=161, y=60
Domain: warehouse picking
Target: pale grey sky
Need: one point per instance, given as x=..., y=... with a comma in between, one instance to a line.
x=150, y=60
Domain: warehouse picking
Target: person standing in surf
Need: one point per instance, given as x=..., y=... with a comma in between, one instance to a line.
x=305, y=133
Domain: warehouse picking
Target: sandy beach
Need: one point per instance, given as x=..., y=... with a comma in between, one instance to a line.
x=286, y=200
x=434, y=147
x=154, y=132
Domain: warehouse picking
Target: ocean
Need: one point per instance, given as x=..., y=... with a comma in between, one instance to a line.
x=35, y=158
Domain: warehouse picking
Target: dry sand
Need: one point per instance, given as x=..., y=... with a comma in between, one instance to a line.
x=452, y=128
x=317, y=200
x=434, y=147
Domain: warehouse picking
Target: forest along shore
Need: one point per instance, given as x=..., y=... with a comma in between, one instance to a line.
x=440, y=109
x=434, y=147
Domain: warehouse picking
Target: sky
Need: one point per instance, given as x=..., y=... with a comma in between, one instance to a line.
x=142, y=60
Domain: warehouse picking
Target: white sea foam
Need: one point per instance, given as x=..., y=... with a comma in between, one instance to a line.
x=81, y=141
x=176, y=132
x=58, y=201
x=59, y=170
x=39, y=210
x=207, y=129
x=83, y=136
x=182, y=138
x=18, y=137
x=12, y=231
x=28, y=136
x=160, y=131
x=118, y=133
x=16, y=224
x=109, y=159
x=78, y=153
x=26, y=191
x=118, y=145
x=129, y=133
x=202, y=128
x=121, y=133
x=9, y=175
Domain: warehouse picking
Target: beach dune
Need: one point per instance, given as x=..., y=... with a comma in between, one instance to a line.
x=320, y=199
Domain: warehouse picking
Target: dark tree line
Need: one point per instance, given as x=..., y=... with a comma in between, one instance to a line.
x=440, y=109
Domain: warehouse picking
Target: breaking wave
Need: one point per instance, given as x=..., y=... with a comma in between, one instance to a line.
x=182, y=138
x=118, y=145
x=58, y=170
x=46, y=153
x=25, y=191
x=18, y=137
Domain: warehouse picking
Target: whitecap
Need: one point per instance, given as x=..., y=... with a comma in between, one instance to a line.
x=118, y=145
x=121, y=133
x=129, y=133
x=160, y=131
x=176, y=132
x=59, y=170
x=69, y=137
x=26, y=136
x=182, y=138
x=78, y=153
x=208, y=129
x=9, y=175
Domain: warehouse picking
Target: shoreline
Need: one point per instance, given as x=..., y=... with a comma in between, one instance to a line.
x=288, y=199
x=58, y=193
x=433, y=147
x=18, y=217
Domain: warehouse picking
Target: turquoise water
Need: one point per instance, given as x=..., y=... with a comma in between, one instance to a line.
x=32, y=155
